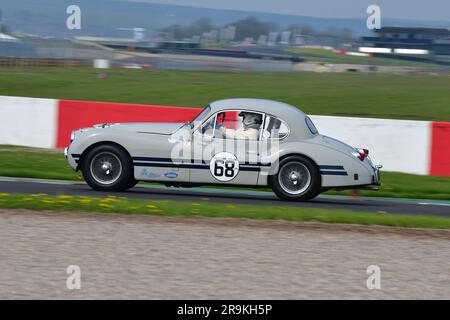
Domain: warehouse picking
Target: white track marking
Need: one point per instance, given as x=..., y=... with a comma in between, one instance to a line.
x=434, y=204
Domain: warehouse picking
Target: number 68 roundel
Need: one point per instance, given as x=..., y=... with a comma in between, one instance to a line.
x=224, y=166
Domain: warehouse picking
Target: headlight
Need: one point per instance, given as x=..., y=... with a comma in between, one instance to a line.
x=72, y=136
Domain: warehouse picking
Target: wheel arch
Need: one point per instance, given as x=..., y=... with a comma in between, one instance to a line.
x=295, y=154
x=99, y=143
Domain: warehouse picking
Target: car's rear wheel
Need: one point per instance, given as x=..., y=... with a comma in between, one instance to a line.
x=297, y=179
x=109, y=168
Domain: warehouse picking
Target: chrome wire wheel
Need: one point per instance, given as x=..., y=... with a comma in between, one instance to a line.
x=106, y=168
x=294, y=178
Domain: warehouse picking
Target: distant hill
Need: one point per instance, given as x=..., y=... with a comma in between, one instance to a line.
x=102, y=17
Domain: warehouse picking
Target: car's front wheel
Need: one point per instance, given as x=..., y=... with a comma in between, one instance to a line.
x=108, y=168
x=297, y=179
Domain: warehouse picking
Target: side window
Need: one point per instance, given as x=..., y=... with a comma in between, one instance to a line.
x=275, y=128
x=228, y=120
x=241, y=125
x=208, y=128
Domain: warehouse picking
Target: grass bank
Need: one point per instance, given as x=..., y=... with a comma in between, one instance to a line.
x=421, y=97
x=113, y=204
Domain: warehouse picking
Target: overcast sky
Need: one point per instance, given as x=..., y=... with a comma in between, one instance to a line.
x=401, y=9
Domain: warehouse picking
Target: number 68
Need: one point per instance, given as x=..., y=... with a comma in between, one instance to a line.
x=224, y=167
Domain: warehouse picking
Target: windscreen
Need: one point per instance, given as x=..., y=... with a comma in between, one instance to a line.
x=202, y=115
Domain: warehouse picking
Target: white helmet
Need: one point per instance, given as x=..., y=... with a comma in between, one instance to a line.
x=251, y=120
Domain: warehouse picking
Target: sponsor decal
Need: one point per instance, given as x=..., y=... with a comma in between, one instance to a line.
x=171, y=175
x=149, y=174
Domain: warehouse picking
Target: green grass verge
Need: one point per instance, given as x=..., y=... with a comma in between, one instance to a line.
x=50, y=164
x=422, y=97
x=113, y=204
x=328, y=56
x=402, y=185
x=35, y=163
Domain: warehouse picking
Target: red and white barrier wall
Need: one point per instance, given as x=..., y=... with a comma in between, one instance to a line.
x=400, y=145
x=419, y=147
x=73, y=115
x=28, y=121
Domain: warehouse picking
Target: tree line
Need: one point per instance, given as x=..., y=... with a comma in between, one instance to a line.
x=252, y=27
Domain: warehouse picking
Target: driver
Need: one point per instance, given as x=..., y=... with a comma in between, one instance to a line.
x=251, y=123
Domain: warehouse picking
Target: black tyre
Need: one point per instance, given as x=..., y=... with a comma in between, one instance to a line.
x=108, y=168
x=132, y=183
x=297, y=179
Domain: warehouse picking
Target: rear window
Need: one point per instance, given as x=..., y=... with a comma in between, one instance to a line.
x=311, y=126
x=276, y=128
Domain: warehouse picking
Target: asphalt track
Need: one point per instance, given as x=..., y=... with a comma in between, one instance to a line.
x=235, y=196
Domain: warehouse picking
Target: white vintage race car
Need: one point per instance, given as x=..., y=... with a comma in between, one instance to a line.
x=240, y=142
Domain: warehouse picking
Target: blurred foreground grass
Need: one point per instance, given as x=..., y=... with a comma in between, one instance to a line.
x=396, y=96
x=112, y=204
x=51, y=164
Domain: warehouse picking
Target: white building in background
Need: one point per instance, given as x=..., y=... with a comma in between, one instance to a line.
x=138, y=33
x=298, y=40
x=262, y=40
x=204, y=37
x=230, y=33
x=214, y=35
x=227, y=33
x=285, y=37
x=273, y=37
x=223, y=34
x=211, y=36
x=196, y=39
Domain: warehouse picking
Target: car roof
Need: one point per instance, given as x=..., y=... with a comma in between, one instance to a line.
x=262, y=105
x=294, y=117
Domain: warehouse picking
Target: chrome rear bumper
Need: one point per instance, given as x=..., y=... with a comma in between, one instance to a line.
x=376, y=180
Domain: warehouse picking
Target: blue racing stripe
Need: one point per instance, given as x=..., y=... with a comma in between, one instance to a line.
x=189, y=166
x=333, y=173
x=331, y=167
x=169, y=161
